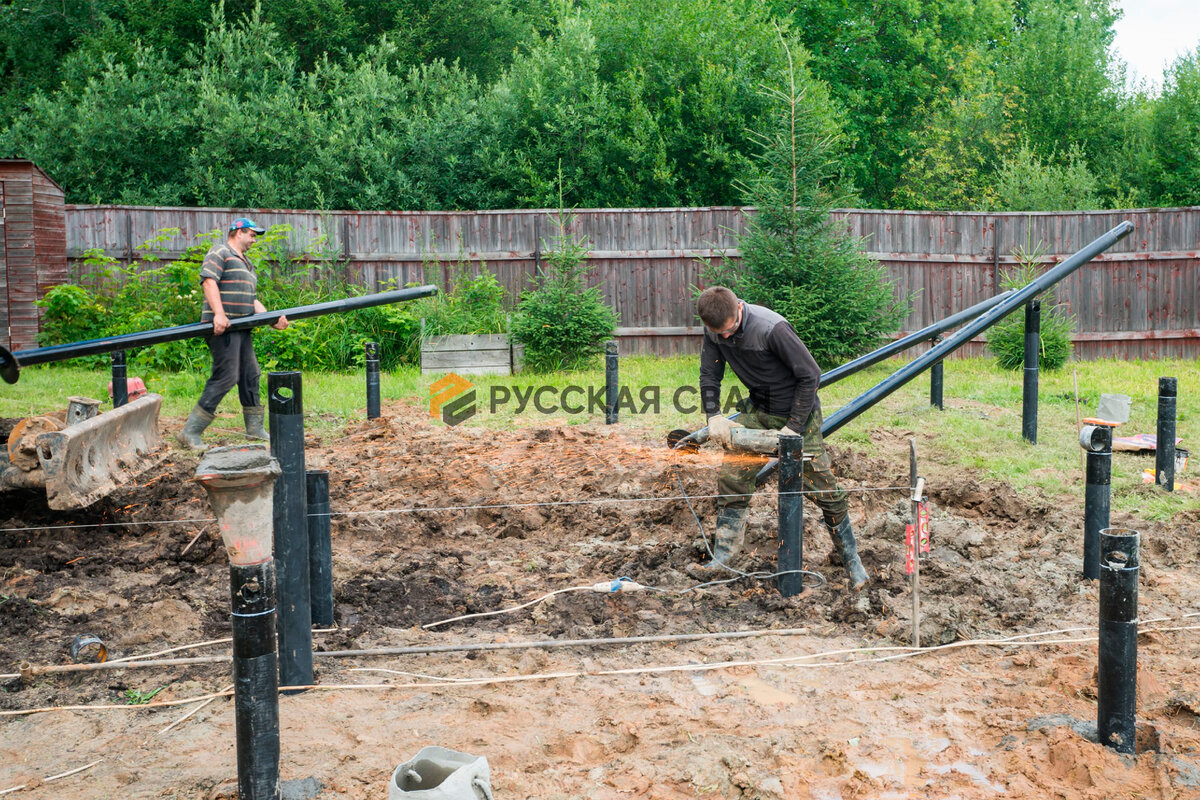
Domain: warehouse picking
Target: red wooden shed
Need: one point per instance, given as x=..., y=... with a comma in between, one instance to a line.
x=33, y=248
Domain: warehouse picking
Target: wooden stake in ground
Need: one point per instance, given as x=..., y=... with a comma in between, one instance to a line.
x=1078, y=416
x=913, y=542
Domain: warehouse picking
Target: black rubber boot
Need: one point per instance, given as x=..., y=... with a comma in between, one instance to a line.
x=254, y=422
x=729, y=536
x=197, y=422
x=843, y=538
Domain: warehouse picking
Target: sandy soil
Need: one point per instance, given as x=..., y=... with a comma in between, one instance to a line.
x=961, y=722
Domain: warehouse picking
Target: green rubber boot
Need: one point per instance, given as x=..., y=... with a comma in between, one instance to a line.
x=197, y=422
x=254, y=422
x=843, y=537
x=730, y=535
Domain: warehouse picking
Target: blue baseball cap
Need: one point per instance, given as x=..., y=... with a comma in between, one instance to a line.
x=243, y=222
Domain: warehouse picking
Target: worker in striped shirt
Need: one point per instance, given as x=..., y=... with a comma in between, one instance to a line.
x=229, y=283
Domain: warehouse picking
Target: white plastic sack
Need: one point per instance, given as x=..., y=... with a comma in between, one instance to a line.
x=436, y=773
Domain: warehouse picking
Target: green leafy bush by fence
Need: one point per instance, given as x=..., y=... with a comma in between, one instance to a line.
x=1006, y=339
x=563, y=322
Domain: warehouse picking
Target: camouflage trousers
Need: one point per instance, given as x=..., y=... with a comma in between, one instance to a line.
x=735, y=480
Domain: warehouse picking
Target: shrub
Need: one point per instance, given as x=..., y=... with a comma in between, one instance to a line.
x=563, y=322
x=1006, y=339
x=1028, y=183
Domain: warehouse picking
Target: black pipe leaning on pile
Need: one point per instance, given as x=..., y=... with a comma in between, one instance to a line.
x=930, y=332
x=1009, y=303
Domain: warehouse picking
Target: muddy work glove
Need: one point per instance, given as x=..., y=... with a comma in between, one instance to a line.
x=786, y=431
x=719, y=428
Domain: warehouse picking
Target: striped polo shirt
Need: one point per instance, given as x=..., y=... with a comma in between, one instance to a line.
x=235, y=280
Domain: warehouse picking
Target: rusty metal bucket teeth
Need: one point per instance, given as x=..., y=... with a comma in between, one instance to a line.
x=84, y=462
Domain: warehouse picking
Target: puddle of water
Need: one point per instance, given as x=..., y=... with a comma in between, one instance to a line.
x=765, y=694
x=704, y=685
x=971, y=771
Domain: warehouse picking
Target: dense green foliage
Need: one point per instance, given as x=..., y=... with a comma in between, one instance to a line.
x=1006, y=339
x=433, y=104
x=562, y=321
x=795, y=260
x=152, y=293
x=471, y=304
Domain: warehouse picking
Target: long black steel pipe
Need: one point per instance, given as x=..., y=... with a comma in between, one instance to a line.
x=925, y=334
x=320, y=547
x=969, y=331
x=1164, y=448
x=1011, y=301
x=285, y=404
x=611, y=378
x=255, y=679
x=1116, y=709
x=791, y=516
x=372, y=355
x=120, y=379
x=928, y=333
x=11, y=362
x=1097, y=497
x=1029, y=389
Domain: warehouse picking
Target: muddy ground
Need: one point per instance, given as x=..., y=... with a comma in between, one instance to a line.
x=144, y=572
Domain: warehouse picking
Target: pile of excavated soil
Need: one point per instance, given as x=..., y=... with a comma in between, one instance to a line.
x=432, y=522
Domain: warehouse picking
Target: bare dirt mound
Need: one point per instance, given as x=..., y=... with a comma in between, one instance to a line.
x=433, y=522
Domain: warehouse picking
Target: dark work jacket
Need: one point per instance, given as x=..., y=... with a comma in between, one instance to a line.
x=770, y=359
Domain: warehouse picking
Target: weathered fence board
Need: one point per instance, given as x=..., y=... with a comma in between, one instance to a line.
x=1139, y=300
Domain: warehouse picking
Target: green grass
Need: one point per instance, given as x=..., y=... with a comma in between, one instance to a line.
x=979, y=430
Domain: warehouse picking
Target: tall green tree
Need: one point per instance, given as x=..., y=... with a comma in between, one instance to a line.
x=967, y=134
x=1172, y=165
x=887, y=62
x=796, y=259
x=1066, y=79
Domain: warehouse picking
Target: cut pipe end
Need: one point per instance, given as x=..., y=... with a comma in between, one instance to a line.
x=1095, y=438
x=10, y=370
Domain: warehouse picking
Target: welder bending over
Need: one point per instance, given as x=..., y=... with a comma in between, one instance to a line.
x=781, y=376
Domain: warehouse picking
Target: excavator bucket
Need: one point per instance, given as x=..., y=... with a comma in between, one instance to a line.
x=86, y=461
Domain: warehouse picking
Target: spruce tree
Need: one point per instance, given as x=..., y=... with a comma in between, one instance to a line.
x=796, y=257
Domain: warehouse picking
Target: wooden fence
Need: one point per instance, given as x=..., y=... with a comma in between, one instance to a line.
x=1139, y=300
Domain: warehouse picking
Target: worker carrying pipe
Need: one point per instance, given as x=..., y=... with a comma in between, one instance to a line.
x=782, y=378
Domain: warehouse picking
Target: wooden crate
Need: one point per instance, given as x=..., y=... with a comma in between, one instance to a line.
x=483, y=354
